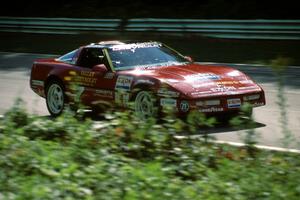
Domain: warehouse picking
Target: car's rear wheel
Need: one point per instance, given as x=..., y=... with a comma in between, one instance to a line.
x=55, y=98
x=145, y=105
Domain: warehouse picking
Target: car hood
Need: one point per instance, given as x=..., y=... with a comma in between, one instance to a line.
x=196, y=80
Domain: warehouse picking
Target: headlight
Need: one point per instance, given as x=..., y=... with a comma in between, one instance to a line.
x=214, y=102
x=251, y=97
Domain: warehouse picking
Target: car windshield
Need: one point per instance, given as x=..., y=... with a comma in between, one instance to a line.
x=69, y=57
x=128, y=56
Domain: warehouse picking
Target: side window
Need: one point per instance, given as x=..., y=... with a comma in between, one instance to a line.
x=90, y=57
x=70, y=57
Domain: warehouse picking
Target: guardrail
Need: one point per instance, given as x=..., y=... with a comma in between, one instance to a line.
x=234, y=29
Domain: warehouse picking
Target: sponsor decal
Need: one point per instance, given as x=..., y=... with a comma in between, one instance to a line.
x=201, y=93
x=222, y=88
x=87, y=74
x=109, y=75
x=134, y=46
x=234, y=103
x=37, y=83
x=168, y=102
x=184, y=106
x=86, y=81
x=202, y=77
x=124, y=82
x=104, y=93
x=227, y=82
x=212, y=109
x=85, y=78
x=207, y=84
x=167, y=93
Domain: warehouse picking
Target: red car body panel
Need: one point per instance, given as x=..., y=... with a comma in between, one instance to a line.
x=192, y=86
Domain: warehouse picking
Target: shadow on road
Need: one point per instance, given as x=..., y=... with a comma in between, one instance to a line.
x=225, y=127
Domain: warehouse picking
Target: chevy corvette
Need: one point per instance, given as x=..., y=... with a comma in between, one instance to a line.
x=148, y=75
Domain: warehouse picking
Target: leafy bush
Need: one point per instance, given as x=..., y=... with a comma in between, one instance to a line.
x=69, y=158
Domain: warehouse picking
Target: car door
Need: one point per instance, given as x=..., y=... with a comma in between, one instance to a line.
x=95, y=80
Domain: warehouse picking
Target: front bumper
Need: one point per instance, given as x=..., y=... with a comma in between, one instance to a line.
x=214, y=105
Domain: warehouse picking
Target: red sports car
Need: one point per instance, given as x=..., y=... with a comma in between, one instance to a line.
x=148, y=75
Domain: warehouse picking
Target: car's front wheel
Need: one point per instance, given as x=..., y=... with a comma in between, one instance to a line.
x=145, y=105
x=55, y=98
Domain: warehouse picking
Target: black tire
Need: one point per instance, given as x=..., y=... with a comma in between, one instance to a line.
x=55, y=97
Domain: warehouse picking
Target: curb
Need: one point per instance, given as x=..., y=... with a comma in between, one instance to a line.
x=238, y=144
x=270, y=148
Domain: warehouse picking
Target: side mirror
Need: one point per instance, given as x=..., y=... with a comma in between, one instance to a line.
x=101, y=68
x=189, y=58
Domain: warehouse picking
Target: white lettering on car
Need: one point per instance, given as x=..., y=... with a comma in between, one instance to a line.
x=211, y=109
x=202, y=77
x=109, y=75
x=222, y=88
x=134, y=46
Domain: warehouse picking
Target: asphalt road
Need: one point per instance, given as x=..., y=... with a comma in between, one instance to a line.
x=14, y=83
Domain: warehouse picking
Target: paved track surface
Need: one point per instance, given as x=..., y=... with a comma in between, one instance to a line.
x=14, y=82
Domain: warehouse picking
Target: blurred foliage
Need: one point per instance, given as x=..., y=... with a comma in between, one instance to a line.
x=279, y=66
x=126, y=158
x=245, y=120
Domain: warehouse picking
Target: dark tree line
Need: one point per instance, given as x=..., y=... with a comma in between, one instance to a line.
x=206, y=9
